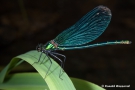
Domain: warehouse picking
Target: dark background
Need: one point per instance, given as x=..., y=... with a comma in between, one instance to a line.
x=25, y=23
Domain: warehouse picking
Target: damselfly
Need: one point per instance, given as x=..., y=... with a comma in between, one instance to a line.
x=78, y=36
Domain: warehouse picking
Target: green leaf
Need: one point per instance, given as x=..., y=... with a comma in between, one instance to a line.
x=52, y=79
x=24, y=81
x=85, y=85
x=36, y=81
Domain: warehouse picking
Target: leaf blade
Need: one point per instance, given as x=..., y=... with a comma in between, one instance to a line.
x=53, y=81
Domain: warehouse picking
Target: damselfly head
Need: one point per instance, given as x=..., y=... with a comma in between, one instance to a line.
x=39, y=47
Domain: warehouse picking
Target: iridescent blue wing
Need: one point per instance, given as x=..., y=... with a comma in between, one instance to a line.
x=87, y=29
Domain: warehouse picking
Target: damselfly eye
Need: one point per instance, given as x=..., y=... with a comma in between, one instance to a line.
x=39, y=48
